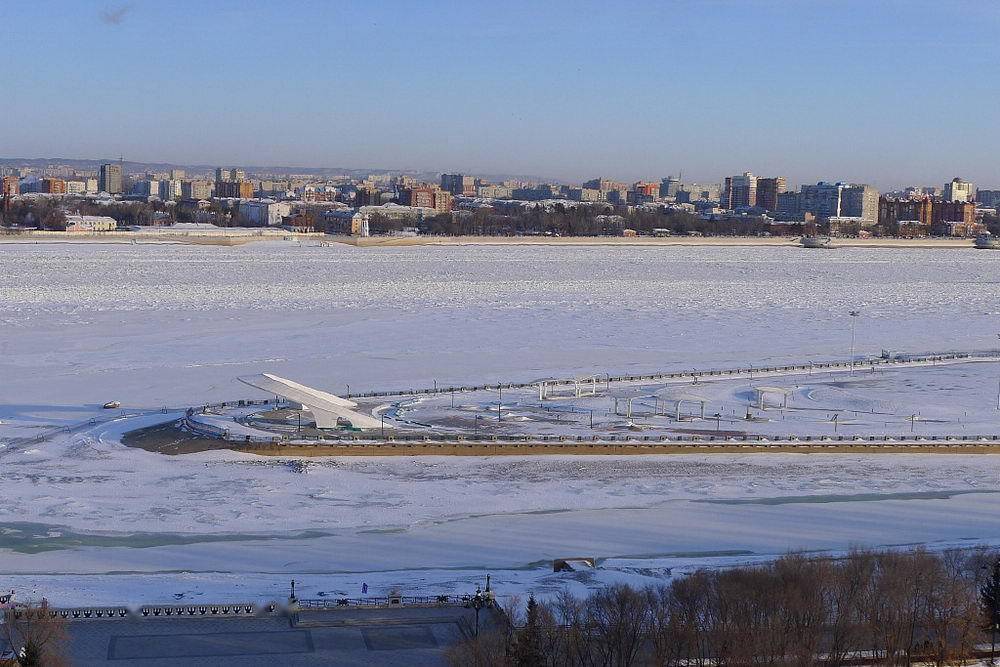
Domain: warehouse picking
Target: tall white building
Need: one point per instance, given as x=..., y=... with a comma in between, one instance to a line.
x=76, y=187
x=958, y=190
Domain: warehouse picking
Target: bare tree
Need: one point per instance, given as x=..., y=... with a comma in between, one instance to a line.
x=37, y=635
x=896, y=607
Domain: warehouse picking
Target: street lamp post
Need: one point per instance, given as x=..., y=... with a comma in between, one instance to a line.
x=480, y=600
x=477, y=604
x=854, y=319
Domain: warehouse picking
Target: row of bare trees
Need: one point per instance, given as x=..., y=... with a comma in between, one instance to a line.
x=567, y=221
x=889, y=608
x=50, y=213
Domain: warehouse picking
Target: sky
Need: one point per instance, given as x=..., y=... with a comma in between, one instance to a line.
x=884, y=92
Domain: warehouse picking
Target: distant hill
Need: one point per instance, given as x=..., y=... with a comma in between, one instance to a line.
x=319, y=172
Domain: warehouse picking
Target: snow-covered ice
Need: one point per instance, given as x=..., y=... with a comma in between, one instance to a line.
x=172, y=326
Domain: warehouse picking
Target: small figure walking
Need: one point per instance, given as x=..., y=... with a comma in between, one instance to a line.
x=364, y=588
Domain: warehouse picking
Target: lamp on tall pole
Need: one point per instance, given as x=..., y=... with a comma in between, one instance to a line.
x=479, y=600
x=854, y=320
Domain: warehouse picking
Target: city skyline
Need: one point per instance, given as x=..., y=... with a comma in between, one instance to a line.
x=39, y=166
x=891, y=94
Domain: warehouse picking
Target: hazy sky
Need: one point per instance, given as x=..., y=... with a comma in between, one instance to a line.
x=882, y=92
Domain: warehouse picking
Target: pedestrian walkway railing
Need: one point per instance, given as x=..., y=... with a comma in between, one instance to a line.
x=387, y=601
x=898, y=360
x=673, y=439
x=108, y=612
x=704, y=439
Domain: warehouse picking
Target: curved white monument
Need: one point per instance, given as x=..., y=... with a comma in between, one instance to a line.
x=325, y=408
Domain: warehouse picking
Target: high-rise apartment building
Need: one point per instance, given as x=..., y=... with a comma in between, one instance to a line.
x=669, y=186
x=646, y=189
x=789, y=206
x=859, y=201
x=111, y=179
x=963, y=212
x=149, y=188
x=196, y=189
x=367, y=196
x=822, y=200
x=739, y=191
x=234, y=189
x=170, y=189
x=442, y=201
x=958, y=190
x=177, y=174
x=768, y=190
x=11, y=186
x=457, y=184
x=421, y=197
x=232, y=183
x=988, y=197
x=892, y=212
x=53, y=186
x=426, y=197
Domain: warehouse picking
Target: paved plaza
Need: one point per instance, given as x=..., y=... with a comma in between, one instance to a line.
x=384, y=636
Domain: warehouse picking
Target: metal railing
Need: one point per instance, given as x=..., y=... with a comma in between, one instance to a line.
x=514, y=440
x=108, y=612
x=386, y=601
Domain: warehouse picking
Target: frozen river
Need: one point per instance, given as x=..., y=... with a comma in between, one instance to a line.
x=175, y=324
x=172, y=325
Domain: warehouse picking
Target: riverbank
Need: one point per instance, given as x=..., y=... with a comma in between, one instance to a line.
x=168, y=438
x=241, y=236
x=686, y=241
x=162, y=236
x=476, y=449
